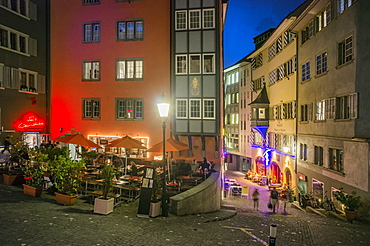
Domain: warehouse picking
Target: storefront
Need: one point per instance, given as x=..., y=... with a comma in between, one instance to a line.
x=260, y=166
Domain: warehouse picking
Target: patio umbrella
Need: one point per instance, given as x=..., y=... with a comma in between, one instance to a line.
x=171, y=145
x=78, y=139
x=127, y=143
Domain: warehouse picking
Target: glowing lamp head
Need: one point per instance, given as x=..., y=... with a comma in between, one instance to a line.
x=163, y=108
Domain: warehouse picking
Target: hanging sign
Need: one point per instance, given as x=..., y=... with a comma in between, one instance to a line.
x=29, y=122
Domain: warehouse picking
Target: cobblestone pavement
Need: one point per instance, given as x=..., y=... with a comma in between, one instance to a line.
x=41, y=221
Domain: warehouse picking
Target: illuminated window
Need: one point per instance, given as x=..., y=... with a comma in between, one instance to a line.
x=320, y=110
x=345, y=51
x=91, y=32
x=91, y=70
x=208, y=18
x=181, y=109
x=27, y=80
x=209, y=109
x=129, y=69
x=129, y=109
x=130, y=30
x=91, y=108
x=194, y=64
x=209, y=63
x=303, y=152
x=181, y=20
x=343, y=4
x=194, y=19
x=194, y=109
x=336, y=159
x=181, y=64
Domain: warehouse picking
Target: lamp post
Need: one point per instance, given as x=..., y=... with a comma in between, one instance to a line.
x=163, y=109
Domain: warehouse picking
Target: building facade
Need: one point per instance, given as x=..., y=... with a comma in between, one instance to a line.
x=23, y=70
x=333, y=129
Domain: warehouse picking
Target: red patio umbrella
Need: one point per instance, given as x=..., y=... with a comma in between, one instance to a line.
x=78, y=139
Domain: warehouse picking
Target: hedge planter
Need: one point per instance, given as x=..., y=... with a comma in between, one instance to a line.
x=65, y=199
x=32, y=191
x=350, y=215
x=103, y=206
x=13, y=179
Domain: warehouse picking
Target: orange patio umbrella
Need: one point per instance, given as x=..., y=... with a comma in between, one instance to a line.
x=127, y=143
x=78, y=139
x=171, y=145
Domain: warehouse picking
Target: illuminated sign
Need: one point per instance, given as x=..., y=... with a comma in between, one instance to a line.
x=29, y=122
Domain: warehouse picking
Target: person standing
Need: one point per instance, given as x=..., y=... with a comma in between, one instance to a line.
x=274, y=198
x=284, y=198
x=255, y=196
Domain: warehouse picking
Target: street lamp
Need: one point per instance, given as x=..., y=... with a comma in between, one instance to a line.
x=163, y=109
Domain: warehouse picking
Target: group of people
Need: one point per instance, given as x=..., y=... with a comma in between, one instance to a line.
x=274, y=198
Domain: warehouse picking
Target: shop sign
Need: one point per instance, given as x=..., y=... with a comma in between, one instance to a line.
x=302, y=177
x=29, y=122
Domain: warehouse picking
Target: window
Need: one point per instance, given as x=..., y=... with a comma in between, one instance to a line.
x=208, y=108
x=181, y=109
x=180, y=20
x=27, y=80
x=306, y=112
x=343, y=4
x=345, y=51
x=330, y=108
x=288, y=37
x=336, y=159
x=194, y=64
x=209, y=63
x=281, y=72
x=129, y=69
x=291, y=66
x=208, y=18
x=258, y=83
x=320, y=110
x=346, y=106
x=194, y=108
x=322, y=63
x=130, y=30
x=91, y=70
x=91, y=108
x=13, y=40
x=89, y=2
x=319, y=156
x=181, y=61
x=194, y=19
x=306, y=71
x=92, y=32
x=272, y=77
x=303, y=152
x=19, y=6
x=257, y=61
x=327, y=14
x=129, y=109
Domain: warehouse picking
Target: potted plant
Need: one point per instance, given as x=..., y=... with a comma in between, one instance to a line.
x=33, y=172
x=67, y=175
x=105, y=204
x=351, y=203
x=18, y=156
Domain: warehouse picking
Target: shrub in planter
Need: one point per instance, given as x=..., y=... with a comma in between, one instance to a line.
x=33, y=172
x=104, y=205
x=351, y=203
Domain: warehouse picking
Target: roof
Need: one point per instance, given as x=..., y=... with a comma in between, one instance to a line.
x=262, y=97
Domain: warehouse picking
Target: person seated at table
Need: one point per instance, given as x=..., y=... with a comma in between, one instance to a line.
x=133, y=168
x=117, y=162
x=205, y=165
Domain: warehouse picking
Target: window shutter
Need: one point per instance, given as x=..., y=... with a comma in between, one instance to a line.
x=283, y=110
x=294, y=109
x=41, y=86
x=1, y=75
x=32, y=46
x=32, y=10
x=7, y=78
x=15, y=79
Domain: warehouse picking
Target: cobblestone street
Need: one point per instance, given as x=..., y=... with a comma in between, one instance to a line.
x=41, y=221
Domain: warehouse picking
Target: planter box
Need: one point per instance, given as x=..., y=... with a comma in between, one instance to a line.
x=65, y=199
x=13, y=179
x=32, y=191
x=351, y=215
x=102, y=206
x=155, y=209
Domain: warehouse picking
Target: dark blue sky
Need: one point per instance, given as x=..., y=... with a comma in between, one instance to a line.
x=246, y=19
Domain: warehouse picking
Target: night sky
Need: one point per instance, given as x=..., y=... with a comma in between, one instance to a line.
x=246, y=19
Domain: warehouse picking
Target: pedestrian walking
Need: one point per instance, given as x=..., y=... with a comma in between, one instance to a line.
x=255, y=196
x=274, y=199
x=284, y=198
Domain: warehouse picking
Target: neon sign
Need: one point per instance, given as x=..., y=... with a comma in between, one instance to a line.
x=29, y=122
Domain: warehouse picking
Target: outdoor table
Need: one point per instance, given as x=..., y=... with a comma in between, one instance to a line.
x=189, y=179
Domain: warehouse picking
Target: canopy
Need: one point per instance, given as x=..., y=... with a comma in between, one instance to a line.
x=127, y=143
x=78, y=139
x=171, y=145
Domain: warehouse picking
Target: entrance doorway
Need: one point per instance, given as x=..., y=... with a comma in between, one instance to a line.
x=317, y=190
x=288, y=178
x=276, y=175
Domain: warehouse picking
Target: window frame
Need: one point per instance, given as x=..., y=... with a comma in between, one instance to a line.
x=322, y=63
x=320, y=110
x=199, y=106
x=91, y=2
x=8, y=40
x=185, y=107
x=319, y=155
x=183, y=24
x=93, y=34
x=93, y=115
x=205, y=107
x=84, y=62
x=183, y=70
x=135, y=31
x=136, y=108
x=213, y=64
x=199, y=19
x=344, y=57
x=204, y=21
x=126, y=70
x=27, y=86
x=336, y=161
x=306, y=71
x=191, y=64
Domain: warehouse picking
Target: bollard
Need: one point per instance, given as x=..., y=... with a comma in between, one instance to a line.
x=272, y=240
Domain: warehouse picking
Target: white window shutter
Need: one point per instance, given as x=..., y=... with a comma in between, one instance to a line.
x=15, y=79
x=41, y=86
x=32, y=46
x=1, y=75
x=7, y=78
x=32, y=10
